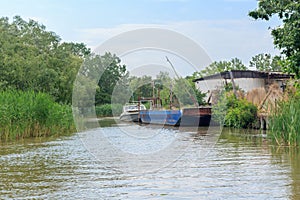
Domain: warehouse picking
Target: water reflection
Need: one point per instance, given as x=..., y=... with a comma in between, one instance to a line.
x=289, y=157
x=242, y=165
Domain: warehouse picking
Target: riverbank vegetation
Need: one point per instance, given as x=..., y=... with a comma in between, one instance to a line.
x=109, y=110
x=284, y=121
x=178, y=92
x=232, y=111
x=33, y=58
x=37, y=71
x=32, y=114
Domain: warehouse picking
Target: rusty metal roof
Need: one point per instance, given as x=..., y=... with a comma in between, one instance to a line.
x=247, y=74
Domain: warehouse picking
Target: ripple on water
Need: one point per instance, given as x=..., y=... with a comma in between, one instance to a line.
x=66, y=169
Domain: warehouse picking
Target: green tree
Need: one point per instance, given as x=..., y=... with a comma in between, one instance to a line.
x=236, y=64
x=221, y=66
x=101, y=80
x=277, y=63
x=111, y=71
x=141, y=86
x=287, y=36
x=122, y=93
x=164, y=84
x=198, y=94
x=265, y=62
x=33, y=58
x=77, y=49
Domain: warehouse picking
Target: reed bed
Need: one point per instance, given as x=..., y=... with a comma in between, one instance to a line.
x=31, y=114
x=256, y=96
x=284, y=123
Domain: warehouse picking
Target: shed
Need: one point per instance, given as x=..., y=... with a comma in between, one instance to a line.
x=246, y=80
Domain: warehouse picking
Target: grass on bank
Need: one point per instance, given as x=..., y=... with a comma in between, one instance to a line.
x=31, y=114
x=284, y=124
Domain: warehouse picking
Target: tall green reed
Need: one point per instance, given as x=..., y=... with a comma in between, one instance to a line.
x=284, y=123
x=31, y=114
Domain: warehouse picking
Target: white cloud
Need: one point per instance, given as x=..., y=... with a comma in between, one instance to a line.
x=222, y=39
x=95, y=36
x=225, y=39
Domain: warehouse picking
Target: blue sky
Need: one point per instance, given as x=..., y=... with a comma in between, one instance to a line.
x=221, y=27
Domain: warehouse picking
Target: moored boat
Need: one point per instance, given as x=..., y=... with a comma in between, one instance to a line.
x=163, y=117
x=131, y=112
x=198, y=116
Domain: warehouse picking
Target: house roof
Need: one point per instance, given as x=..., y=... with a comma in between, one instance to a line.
x=247, y=74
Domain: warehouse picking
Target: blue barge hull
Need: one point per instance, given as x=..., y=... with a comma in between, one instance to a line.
x=164, y=117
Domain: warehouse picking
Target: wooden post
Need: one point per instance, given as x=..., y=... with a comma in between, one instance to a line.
x=233, y=84
x=153, y=95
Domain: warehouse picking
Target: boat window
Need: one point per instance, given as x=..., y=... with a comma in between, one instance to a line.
x=134, y=107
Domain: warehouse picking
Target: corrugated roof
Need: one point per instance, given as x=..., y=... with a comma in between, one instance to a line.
x=247, y=74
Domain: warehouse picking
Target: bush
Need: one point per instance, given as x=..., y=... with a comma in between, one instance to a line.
x=233, y=112
x=108, y=110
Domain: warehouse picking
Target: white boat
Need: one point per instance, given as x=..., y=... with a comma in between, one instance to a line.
x=131, y=112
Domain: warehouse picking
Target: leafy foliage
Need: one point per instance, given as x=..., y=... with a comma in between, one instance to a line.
x=198, y=94
x=35, y=59
x=287, y=36
x=101, y=80
x=183, y=90
x=233, y=112
x=122, y=92
x=265, y=62
x=112, y=71
x=108, y=110
x=222, y=66
x=37, y=69
x=141, y=86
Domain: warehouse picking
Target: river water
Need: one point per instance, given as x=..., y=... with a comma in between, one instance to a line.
x=105, y=163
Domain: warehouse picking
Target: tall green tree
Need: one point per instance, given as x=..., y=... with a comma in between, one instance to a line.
x=267, y=63
x=164, y=84
x=102, y=79
x=221, y=66
x=141, y=86
x=287, y=36
x=33, y=58
x=198, y=94
x=122, y=93
x=112, y=71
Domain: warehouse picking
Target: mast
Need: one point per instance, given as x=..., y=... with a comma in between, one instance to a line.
x=191, y=96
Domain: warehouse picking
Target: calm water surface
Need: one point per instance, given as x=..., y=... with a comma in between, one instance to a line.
x=241, y=165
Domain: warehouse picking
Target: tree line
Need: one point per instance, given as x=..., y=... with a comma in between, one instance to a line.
x=32, y=58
